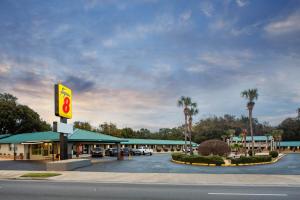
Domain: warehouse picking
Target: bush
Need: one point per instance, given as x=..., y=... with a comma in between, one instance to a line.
x=252, y=159
x=273, y=154
x=217, y=160
x=250, y=152
x=214, y=147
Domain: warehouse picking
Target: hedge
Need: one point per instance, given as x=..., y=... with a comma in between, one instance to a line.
x=217, y=160
x=274, y=154
x=251, y=159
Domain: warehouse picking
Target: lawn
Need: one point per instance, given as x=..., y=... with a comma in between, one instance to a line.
x=40, y=175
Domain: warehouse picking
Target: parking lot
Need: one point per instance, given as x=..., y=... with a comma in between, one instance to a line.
x=160, y=163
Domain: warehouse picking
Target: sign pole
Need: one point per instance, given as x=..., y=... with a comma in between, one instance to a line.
x=63, y=109
x=63, y=142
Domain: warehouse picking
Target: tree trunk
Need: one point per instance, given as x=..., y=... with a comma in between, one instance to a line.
x=267, y=143
x=191, y=148
x=251, y=130
x=185, y=134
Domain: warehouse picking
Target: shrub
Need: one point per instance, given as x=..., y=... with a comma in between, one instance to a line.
x=198, y=159
x=158, y=150
x=250, y=152
x=214, y=147
x=274, y=154
x=251, y=159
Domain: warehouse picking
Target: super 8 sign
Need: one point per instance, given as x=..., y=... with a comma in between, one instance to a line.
x=63, y=101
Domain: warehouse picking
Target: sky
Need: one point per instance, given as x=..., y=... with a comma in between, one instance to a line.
x=128, y=62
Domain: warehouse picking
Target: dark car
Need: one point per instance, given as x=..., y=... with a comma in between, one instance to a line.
x=126, y=151
x=111, y=152
x=97, y=152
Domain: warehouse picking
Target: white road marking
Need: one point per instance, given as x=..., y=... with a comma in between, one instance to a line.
x=247, y=194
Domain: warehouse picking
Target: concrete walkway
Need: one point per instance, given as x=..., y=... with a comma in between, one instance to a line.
x=167, y=178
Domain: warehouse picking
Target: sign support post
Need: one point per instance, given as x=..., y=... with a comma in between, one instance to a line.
x=63, y=109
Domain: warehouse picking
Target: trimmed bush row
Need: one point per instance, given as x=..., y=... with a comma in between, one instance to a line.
x=274, y=154
x=251, y=159
x=217, y=160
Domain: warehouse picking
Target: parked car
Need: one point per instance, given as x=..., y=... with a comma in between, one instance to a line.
x=111, y=152
x=125, y=151
x=145, y=150
x=97, y=152
x=135, y=152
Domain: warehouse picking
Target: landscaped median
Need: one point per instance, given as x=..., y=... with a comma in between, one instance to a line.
x=197, y=160
x=39, y=175
x=182, y=158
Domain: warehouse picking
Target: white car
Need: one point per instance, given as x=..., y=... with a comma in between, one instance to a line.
x=145, y=150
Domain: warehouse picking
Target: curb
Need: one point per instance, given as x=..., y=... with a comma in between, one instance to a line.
x=229, y=165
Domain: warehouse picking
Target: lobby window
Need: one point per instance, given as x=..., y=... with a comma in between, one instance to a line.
x=36, y=149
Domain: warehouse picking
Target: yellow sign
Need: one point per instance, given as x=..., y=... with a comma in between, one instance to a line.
x=63, y=101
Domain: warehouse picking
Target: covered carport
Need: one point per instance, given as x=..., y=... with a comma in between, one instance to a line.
x=83, y=137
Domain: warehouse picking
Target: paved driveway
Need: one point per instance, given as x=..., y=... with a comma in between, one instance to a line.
x=160, y=163
x=22, y=165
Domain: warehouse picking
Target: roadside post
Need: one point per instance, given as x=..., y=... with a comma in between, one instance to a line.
x=63, y=109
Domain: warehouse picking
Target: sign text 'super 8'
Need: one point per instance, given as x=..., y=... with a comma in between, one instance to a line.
x=63, y=101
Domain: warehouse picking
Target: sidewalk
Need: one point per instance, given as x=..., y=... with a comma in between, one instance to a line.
x=167, y=178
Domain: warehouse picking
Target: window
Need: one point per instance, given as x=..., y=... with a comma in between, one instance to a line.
x=36, y=149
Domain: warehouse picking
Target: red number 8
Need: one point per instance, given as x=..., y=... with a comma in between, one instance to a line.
x=66, y=105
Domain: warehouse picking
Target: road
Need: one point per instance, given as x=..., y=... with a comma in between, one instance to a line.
x=47, y=190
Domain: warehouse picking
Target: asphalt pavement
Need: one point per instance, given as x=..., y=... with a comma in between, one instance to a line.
x=160, y=163
x=47, y=190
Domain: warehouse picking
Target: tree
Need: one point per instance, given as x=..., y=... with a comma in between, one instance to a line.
x=277, y=135
x=268, y=135
x=192, y=111
x=250, y=95
x=291, y=128
x=83, y=125
x=17, y=118
x=185, y=102
x=214, y=147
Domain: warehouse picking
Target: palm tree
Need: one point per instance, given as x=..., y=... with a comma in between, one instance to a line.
x=244, y=139
x=277, y=135
x=250, y=95
x=185, y=102
x=192, y=111
x=268, y=137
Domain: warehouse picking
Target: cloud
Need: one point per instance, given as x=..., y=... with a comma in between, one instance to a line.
x=4, y=69
x=161, y=24
x=225, y=59
x=242, y=3
x=207, y=8
x=78, y=84
x=287, y=25
x=185, y=16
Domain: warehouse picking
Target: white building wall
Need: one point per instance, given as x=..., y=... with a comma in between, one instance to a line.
x=8, y=149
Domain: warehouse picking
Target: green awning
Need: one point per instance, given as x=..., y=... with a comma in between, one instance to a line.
x=156, y=142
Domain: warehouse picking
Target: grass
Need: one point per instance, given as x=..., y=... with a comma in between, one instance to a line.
x=40, y=175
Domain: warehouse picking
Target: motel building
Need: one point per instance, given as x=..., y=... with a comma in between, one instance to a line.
x=261, y=143
x=46, y=145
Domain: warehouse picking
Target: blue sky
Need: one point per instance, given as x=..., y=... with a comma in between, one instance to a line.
x=129, y=61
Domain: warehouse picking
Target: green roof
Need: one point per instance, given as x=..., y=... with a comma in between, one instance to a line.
x=290, y=143
x=4, y=135
x=155, y=142
x=89, y=136
x=49, y=136
x=31, y=137
x=256, y=138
